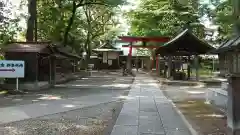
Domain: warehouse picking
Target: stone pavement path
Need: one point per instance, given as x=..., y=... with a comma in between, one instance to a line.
x=147, y=111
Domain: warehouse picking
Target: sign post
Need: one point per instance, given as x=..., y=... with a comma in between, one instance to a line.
x=12, y=69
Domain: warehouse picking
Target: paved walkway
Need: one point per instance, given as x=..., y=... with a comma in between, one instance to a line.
x=148, y=112
x=71, y=96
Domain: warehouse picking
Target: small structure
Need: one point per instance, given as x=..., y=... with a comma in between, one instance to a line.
x=41, y=60
x=108, y=56
x=37, y=57
x=181, y=48
x=229, y=56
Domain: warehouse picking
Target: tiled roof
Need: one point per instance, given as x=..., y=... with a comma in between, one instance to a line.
x=228, y=45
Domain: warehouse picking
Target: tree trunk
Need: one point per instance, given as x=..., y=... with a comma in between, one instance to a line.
x=31, y=20
x=70, y=23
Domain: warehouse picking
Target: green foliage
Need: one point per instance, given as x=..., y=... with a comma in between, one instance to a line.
x=164, y=18
x=92, y=21
x=8, y=26
x=223, y=17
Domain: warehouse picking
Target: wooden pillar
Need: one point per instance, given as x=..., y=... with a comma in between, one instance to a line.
x=50, y=70
x=233, y=111
x=129, y=62
x=169, y=66
x=74, y=66
x=53, y=70
x=230, y=62
x=137, y=66
x=196, y=62
x=36, y=68
x=188, y=68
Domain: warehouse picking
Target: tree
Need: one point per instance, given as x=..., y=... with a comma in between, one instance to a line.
x=82, y=3
x=223, y=17
x=8, y=25
x=99, y=20
x=164, y=18
x=31, y=23
x=55, y=16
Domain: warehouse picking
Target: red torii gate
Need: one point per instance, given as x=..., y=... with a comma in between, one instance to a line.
x=132, y=39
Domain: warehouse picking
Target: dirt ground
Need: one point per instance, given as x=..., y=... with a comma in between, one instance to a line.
x=190, y=100
x=205, y=119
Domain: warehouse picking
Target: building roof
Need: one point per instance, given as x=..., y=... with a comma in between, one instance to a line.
x=228, y=45
x=107, y=47
x=144, y=39
x=38, y=47
x=185, y=43
x=66, y=52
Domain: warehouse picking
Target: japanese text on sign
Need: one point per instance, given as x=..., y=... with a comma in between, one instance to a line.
x=12, y=69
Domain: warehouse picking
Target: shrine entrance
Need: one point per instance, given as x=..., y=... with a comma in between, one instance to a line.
x=144, y=41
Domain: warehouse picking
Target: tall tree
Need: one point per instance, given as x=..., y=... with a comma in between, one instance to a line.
x=81, y=3
x=222, y=16
x=92, y=22
x=164, y=18
x=31, y=23
x=8, y=24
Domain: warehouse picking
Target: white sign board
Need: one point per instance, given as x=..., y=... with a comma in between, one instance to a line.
x=12, y=69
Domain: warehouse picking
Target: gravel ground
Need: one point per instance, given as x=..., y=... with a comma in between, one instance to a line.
x=95, y=120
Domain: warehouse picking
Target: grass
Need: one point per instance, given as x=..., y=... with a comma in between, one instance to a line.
x=205, y=118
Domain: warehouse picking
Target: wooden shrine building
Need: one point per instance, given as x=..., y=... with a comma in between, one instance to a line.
x=108, y=56
x=183, y=48
x=41, y=60
x=229, y=56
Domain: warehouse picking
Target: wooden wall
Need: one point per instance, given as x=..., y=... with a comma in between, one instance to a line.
x=30, y=65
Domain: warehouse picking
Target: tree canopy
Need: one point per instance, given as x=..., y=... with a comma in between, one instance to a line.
x=164, y=18
x=222, y=17
x=8, y=24
x=77, y=23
